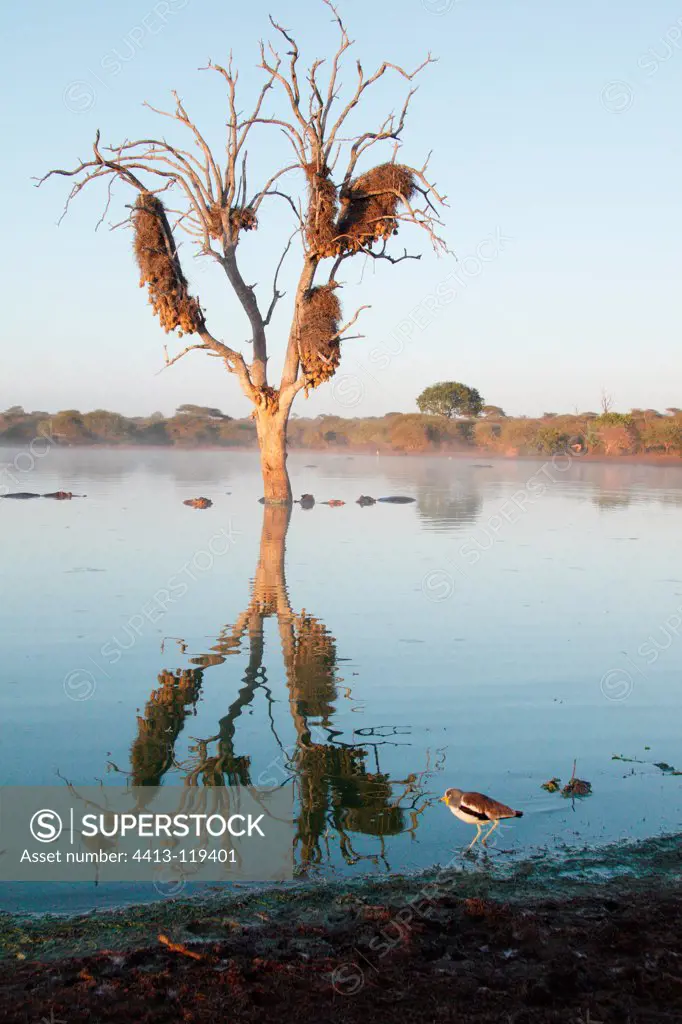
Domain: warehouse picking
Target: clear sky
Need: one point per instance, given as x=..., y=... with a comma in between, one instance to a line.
x=554, y=127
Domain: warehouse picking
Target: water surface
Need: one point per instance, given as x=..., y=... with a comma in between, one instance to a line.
x=517, y=616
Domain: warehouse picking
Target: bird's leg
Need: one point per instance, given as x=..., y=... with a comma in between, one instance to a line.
x=490, y=831
x=477, y=836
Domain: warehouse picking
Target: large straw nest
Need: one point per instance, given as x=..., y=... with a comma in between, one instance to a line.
x=320, y=225
x=157, y=258
x=240, y=218
x=243, y=218
x=266, y=397
x=318, y=327
x=369, y=206
x=214, y=220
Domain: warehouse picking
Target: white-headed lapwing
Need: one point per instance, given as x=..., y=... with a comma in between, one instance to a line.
x=479, y=810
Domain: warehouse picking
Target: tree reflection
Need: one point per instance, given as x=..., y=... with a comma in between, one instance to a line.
x=449, y=503
x=151, y=754
x=611, y=502
x=341, y=788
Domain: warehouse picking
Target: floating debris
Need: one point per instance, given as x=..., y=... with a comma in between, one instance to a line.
x=575, y=786
x=198, y=502
x=334, y=503
x=365, y=499
x=663, y=766
x=306, y=501
x=397, y=499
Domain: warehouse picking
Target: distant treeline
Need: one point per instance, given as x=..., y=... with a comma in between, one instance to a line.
x=610, y=433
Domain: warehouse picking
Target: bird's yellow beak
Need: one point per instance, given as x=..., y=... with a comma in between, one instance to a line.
x=443, y=799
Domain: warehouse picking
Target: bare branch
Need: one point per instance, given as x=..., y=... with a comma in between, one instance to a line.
x=234, y=361
x=383, y=255
x=366, y=83
x=168, y=361
x=350, y=323
x=331, y=90
x=107, y=205
x=277, y=295
x=247, y=297
x=294, y=54
x=290, y=88
x=283, y=195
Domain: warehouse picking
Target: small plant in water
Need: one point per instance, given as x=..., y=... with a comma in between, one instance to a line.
x=576, y=787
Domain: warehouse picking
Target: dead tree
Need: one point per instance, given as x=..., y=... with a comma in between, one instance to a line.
x=341, y=213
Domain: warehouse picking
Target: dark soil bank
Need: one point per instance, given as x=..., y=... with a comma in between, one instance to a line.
x=393, y=952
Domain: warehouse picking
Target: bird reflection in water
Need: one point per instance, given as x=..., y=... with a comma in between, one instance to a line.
x=341, y=790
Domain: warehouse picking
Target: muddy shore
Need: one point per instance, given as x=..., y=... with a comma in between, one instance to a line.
x=540, y=944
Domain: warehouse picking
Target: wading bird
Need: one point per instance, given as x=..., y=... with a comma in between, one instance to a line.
x=479, y=810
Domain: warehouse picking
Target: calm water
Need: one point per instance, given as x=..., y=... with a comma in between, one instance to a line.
x=518, y=615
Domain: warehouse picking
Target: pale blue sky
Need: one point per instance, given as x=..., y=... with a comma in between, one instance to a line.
x=556, y=125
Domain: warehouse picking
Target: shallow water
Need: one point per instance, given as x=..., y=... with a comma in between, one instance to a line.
x=519, y=615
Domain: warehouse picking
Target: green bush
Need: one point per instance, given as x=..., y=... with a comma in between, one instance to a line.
x=614, y=419
x=662, y=435
x=486, y=434
x=519, y=435
x=409, y=434
x=109, y=427
x=618, y=440
x=551, y=440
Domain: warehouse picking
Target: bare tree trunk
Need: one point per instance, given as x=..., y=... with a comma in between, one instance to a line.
x=270, y=585
x=272, y=439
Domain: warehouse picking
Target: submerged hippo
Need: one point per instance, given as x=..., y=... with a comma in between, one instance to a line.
x=365, y=499
x=57, y=495
x=198, y=502
x=397, y=499
x=306, y=501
